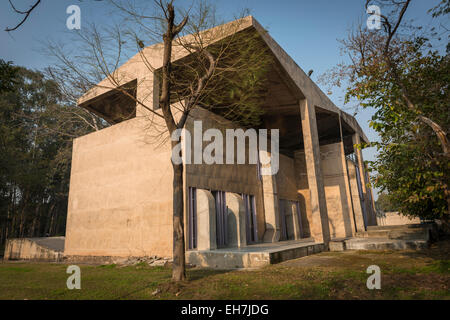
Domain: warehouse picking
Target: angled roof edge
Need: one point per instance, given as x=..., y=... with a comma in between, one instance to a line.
x=135, y=68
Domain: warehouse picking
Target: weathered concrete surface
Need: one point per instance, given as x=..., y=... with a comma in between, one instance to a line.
x=320, y=229
x=384, y=244
x=414, y=236
x=38, y=249
x=206, y=220
x=340, y=215
x=254, y=256
x=366, y=192
x=234, y=178
x=338, y=244
x=120, y=198
x=395, y=218
x=237, y=236
x=399, y=234
x=357, y=208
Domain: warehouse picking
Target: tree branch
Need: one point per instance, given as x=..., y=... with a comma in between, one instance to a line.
x=26, y=13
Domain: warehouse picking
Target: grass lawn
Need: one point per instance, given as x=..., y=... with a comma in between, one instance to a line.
x=329, y=275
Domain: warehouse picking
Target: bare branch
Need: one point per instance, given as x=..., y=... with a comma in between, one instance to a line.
x=25, y=13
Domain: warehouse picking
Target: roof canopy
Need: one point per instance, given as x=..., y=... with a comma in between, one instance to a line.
x=289, y=85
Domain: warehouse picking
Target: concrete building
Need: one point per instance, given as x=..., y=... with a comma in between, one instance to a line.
x=120, y=201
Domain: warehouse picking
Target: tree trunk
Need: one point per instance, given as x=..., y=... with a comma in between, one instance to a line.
x=178, y=271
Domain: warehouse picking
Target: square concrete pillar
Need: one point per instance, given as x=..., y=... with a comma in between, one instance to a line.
x=271, y=210
x=348, y=191
x=320, y=228
x=237, y=235
x=369, y=209
x=356, y=200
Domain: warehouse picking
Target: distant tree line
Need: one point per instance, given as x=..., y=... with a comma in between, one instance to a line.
x=38, y=121
x=385, y=204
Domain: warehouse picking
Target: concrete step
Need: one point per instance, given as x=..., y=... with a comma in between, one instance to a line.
x=397, y=227
x=400, y=234
x=384, y=244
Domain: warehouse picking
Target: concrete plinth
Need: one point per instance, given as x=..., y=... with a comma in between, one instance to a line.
x=254, y=256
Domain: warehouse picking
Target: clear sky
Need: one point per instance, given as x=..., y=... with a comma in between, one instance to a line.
x=307, y=29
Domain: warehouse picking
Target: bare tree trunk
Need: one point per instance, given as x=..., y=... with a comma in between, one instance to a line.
x=178, y=272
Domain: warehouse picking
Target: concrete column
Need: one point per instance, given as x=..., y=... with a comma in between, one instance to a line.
x=237, y=236
x=372, y=207
x=206, y=220
x=347, y=189
x=360, y=161
x=355, y=197
x=271, y=210
x=362, y=176
x=320, y=228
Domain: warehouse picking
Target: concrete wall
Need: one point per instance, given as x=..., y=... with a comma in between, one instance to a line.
x=336, y=191
x=395, y=218
x=339, y=209
x=303, y=192
x=232, y=178
x=120, y=198
x=286, y=179
x=28, y=249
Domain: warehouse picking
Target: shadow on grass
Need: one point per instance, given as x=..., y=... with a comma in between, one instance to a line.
x=439, y=251
x=200, y=273
x=168, y=287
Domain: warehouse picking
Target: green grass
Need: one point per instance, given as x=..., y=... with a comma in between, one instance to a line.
x=329, y=275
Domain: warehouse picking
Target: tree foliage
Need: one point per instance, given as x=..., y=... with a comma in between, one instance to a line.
x=402, y=75
x=37, y=126
x=384, y=203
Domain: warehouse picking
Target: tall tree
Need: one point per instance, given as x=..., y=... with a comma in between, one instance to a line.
x=37, y=125
x=397, y=72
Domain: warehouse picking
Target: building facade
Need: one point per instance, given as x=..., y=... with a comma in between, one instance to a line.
x=120, y=200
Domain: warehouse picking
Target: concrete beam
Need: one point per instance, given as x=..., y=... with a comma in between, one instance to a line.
x=370, y=213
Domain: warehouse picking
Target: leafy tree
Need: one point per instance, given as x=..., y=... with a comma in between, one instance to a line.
x=37, y=125
x=397, y=72
x=384, y=203
x=7, y=74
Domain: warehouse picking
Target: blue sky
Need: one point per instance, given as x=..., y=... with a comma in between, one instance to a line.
x=307, y=29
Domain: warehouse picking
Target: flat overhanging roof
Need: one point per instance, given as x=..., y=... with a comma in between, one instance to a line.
x=299, y=84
